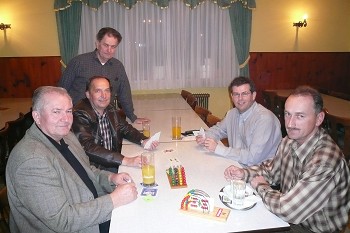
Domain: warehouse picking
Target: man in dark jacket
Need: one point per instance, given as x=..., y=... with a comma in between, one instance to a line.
x=101, y=130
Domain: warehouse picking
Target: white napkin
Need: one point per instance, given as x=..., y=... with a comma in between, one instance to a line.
x=155, y=137
x=199, y=133
x=189, y=138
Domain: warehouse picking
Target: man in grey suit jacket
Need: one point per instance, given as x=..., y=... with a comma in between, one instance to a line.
x=51, y=185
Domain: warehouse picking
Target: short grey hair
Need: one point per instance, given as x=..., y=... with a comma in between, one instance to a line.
x=38, y=100
x=309, y=91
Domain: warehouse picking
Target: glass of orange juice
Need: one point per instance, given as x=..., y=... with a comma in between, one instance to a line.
x=176, y=127
x=148, y=168
x=146, y=128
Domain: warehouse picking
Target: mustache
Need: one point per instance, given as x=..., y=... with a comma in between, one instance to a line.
x=290, y=128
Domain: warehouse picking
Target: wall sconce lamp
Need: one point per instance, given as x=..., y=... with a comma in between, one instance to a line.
x=301, y=23
x=4, y=26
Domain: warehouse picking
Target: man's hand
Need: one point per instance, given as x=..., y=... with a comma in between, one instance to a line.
x=258, y=180
x=120, y=178
x=210, y=144
x=200, y=140
x=233, y=172
x=132, y=161
x=153, y=146
x=141, y=119
x=124, y=194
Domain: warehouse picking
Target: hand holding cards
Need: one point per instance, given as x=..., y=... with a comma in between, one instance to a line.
x=155, y=137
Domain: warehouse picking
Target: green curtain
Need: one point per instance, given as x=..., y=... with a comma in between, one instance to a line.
x=68, y=27
x=68, y=15
x=241, y=23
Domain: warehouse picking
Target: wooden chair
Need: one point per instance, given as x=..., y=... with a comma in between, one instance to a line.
x=28, y=121
x=339, y=129
x=279, y=112
x=16, y=131
x=190, y=98
x=192, y=101
x=4, y=152
x=10, y=135
x=202, y=112
x=185, y=94
x=269, y=98
x=4, y=210
x=211, y=121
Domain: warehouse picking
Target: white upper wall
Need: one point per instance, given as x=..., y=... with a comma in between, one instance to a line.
x=328, y=28
x=34, y=30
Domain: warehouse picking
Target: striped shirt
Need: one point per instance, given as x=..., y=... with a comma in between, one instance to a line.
x=104, y=130
x=314, y=180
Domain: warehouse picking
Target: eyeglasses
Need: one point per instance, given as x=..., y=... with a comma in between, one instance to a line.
x=243, y=94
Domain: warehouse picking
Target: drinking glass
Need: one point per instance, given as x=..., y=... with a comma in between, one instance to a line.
x=238, y=187
x=148, y=168
x=176, y=127
x=146, y=128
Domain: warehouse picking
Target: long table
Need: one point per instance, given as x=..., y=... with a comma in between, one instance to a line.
x=204, y=171
x=154, y=102
x=335, y=106
x=160, y=108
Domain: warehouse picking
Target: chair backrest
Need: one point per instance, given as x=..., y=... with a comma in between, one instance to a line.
x=279, y=112
x=10, y=135
x=269, y=98
x=28, y=120
x=16, y=131
x=185, y=94
x=4, y=151
x=192, y=101
x=339, y=129
x=202, y=112
x=212, y=120
x=4, y=210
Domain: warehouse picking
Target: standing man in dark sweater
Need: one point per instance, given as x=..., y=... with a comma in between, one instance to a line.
x=100, y=62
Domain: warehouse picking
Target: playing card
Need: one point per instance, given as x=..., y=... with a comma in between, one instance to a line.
x=155, y=137
x=149, y=192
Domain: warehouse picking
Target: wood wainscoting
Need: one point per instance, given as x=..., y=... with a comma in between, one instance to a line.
x=20, y=76
x=287, y=70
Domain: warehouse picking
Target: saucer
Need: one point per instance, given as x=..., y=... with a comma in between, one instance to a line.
x=250, y=199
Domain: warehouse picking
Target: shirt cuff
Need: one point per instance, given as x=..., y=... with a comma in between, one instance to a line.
x=262, y=189
x=220, y=150
x=133, y=118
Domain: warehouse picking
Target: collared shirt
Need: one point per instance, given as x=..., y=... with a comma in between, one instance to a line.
x=253, y=136
x=84, y=66
x=314, y=180
x=104, y=130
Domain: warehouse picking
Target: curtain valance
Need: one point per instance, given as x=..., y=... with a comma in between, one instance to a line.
x=95, y=4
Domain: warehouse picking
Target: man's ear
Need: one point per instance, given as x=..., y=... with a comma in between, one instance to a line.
x=87, y=94
x=36, y=117
x=320, y=118
x=254, y=95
